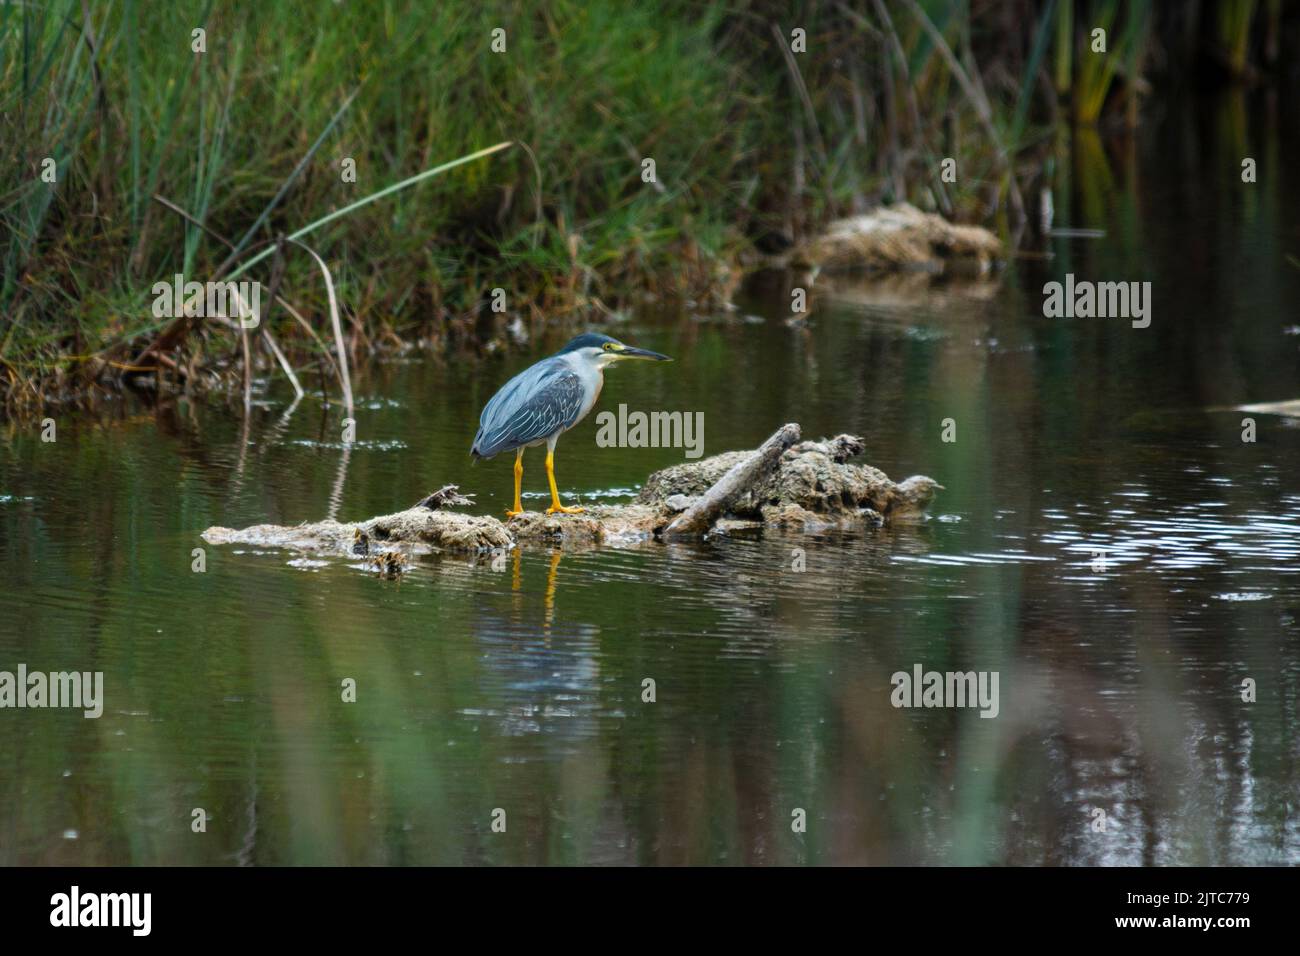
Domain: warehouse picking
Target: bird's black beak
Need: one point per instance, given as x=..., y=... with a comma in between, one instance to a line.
x=631, y=351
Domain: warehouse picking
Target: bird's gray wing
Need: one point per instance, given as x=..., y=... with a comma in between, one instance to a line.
x=533, y=405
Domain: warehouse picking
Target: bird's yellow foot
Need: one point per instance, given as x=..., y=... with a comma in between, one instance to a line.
x=560, y=509
x=510, y=513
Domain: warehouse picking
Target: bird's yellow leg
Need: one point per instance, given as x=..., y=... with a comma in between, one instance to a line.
x=518, y=509
x=555, y=492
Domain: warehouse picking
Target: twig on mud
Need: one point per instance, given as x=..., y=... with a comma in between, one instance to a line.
x=447, y=495
x=701, y=515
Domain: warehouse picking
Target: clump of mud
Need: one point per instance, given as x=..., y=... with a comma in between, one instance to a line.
x=814, y=486
x=426, y=530
x=899, y=238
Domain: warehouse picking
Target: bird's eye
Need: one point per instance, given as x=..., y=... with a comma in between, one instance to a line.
x=607, y=346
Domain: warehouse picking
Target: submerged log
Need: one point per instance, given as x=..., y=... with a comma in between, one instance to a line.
x=808, y=486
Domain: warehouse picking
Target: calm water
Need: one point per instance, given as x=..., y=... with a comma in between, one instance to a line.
x=521, y=688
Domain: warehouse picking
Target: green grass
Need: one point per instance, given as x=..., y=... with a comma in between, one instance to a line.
x=1234, y=21
x=249, y=137
x=589, y=87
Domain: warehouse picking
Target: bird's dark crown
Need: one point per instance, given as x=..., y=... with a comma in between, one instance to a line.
x=585, y=341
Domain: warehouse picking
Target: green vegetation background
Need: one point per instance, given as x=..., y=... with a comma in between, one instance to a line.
x=753, y=145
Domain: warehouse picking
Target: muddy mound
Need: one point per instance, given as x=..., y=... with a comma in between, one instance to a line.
x=815, y=477
x=809, y=484
x=899, y=238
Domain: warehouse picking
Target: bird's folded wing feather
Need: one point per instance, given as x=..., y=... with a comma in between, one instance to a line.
x=529, y=409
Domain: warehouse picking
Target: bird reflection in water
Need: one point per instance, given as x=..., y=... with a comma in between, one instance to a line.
x=552, y=574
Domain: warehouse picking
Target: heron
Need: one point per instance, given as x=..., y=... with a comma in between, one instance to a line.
x=545, y=400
